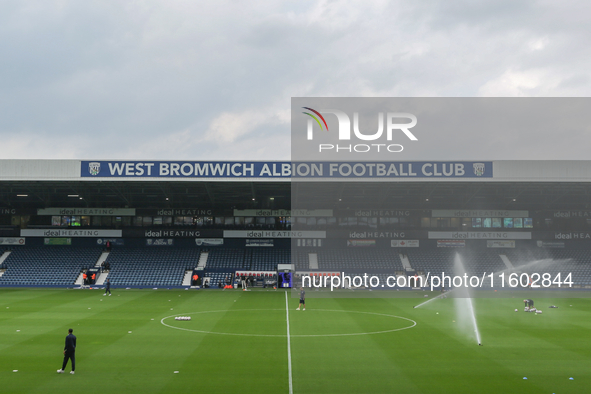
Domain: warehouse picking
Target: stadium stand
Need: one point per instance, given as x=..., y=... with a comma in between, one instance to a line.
x=230, y=258
x=219, y=277
x=47, y=266
x=266, y=259
x=365, y=259
x=151, y=266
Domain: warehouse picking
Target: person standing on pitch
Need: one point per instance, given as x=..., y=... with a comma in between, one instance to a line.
x=108, y=288
x=302, y=299
x=69, y=352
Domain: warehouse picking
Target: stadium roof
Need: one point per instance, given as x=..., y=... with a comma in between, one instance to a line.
x=507, y=185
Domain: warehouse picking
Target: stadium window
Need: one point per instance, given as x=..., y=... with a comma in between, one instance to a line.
x=137, y=221
x=219, y=221
x=331, y=221
x=362, y=222
x=208, y=221
x=455, y=222
x=343, y=222
x=249, y=222
x=157, y=220
x=425, y=222
x=56, y=221
x=518, y=222
x=260, y=223
x=178, y=220
x=548, y=222
x=476, y=222
x=487, y=222
x=528, y=223
x=434, y=222
x=229, y=221
x=466, y=223
x=147, y=222
x=85, y=221
x=508, y=222
x=271, y=223
x=311, y=221
x=496, y=222
x=373, y=222
x=239, y=221
x=443, y=222
x=40, y=220
x=352, y=221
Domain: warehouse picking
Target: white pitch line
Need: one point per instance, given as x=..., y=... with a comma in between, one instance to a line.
x=288, y=346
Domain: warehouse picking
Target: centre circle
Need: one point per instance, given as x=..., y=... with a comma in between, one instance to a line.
x=253, y=323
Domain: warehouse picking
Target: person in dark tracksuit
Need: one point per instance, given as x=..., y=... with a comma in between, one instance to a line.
x=529, y=303
x=108, y=288
x=302, y=299
x=69, y=352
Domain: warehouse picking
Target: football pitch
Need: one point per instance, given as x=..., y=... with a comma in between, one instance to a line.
x=249, y=342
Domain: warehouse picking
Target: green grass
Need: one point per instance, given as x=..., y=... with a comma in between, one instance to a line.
x=435, y=356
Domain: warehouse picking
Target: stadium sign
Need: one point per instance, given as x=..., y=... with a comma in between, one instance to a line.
x=551, y=245
x=409, y=243
x=376, y=234
x=284, y=212
x=570, y=214
x=184, y=169
x=65, y=233
x=478, y=235
x=393, y=169
x=162, y=233
x=209, y=241
x=159, y=242
x=287, y=170
x=17, y=211
x=574, y=235
x=500, y=244
x=87, y=211
x=375, y=213
x=273, y=234
x=182, y=212
x=12, y=241
x=477, y=213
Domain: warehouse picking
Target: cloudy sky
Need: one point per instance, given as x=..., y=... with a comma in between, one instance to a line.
x=213, y=80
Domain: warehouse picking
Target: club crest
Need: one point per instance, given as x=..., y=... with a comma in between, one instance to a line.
x=479, y=169
x=94, y=168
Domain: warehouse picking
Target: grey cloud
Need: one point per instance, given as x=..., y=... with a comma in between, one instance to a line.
x=150, y=79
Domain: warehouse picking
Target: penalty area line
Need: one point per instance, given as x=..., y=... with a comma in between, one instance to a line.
x=288, y=345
